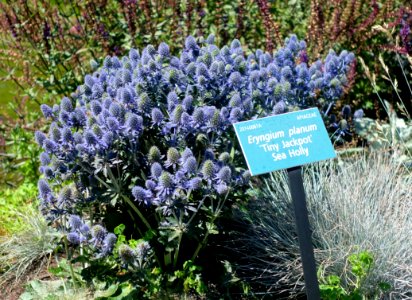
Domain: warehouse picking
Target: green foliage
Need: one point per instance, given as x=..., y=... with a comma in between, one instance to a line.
x=60, y=39
x=396, y=135
x=122, y=291
x=191, y=277
x=292, y=16
x=361, y=264
x=113, y=277
x=15, y=205
x=19, y=158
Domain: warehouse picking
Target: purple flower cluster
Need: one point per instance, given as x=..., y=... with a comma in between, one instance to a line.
x=177, y=174
x=184, y=105
x=96, y=237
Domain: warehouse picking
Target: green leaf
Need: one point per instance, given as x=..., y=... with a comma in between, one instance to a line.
x=211, y=228
x=119, y=229
x=57, y=271
x=81, y=50
x=110, y=291
x=333, y=280
x=384, y=286
x=151, y=233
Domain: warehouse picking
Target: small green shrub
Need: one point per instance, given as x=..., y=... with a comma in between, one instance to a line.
x=361, y=264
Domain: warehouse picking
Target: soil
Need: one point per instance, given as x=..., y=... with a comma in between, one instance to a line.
x=12, y=289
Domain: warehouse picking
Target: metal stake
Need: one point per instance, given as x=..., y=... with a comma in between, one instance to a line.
x=304, y=233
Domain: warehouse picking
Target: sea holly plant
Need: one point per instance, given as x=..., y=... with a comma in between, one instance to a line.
x=147, y=140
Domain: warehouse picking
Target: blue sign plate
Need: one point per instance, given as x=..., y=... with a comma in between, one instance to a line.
x=284, y=141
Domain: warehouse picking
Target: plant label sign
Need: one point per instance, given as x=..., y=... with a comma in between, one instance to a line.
x=284, y=141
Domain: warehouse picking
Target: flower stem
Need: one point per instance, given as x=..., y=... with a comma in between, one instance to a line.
x=216, y=214
x=176, y=254
x=137, y=211
x=66, y=249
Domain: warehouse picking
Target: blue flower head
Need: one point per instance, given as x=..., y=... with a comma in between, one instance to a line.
x=194, y=183
x=157, y=116
x=50, y=146
x=164, y=50
x=346, y=111
x=46, y=110
x=44, y=190
x=199, y=116
x=173, y=76
x=224, y=157
x=112, y=124
x=222, y=188
x=177, y=114
x=90, y=138
x=156, y=170
x=65, y=195
x=145, y=103
x=235, y=79
x=358, y=114
x=40, y=137
x=166, y=180
x=66, y=135
x=190, y=165
x=210, y=39
x=98, y=233
x=66, y=105
x=55, y=133
x=134, y=122
x=141, y=195
x=187, y=153
x=116, y=110
x=75, y=222
x=108, y=244
x=190, y=43
x=150, y=185
x=224, y=174
x=44, y=159
x=73, y=238
x=134, y=54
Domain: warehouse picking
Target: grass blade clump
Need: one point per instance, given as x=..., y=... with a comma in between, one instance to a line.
x=355, y=205
x=26, y=251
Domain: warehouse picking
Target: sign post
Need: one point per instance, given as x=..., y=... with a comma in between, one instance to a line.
x=288, y=141
x=304, y=233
